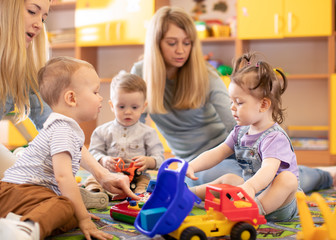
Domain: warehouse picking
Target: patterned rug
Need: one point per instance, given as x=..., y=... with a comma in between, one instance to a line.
x=121, y=230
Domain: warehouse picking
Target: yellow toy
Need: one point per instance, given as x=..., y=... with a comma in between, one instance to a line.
x=78, y=179
x=14, y=134
x=309, y=231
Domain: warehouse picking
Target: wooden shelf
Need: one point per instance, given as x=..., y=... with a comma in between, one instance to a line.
x=308, y=128
x=314, y=158
x=56, y=5
x=218, y=39
x=63, y=45
x=210, y=39
x=308, y=76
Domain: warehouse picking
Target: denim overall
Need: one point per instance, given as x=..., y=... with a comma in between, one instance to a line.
x=248, y=157
x=249, y=160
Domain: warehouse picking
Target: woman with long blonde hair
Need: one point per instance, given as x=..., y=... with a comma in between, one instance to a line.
x=187, y=99
x=23, y=51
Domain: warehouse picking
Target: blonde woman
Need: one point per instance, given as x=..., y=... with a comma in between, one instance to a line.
x=23, y=51
x=187, y=99
x=189, y=102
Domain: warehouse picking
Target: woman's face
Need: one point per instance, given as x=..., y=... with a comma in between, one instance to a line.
x=175, y=47
x=35, y=14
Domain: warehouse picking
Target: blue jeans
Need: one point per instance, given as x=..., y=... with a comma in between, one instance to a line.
x=311, y=179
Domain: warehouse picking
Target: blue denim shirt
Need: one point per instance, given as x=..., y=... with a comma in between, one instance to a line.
x=35, y=115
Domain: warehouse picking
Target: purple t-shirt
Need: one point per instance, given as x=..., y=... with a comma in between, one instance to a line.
x=274, y=145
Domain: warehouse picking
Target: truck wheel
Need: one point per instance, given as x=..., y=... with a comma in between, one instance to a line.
x=137, y=173
x=168, y=237
x=243, y=231
x=193, y=233
x=133, y=186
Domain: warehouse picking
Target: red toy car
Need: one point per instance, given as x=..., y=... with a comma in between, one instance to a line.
x=131, y=171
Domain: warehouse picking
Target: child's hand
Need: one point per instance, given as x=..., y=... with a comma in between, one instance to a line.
x=144, y=162
x=249, y=189
x=109, y=162
x=89, y=229
x=191, y=173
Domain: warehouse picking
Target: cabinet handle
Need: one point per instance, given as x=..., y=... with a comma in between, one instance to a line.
x=289, y=22
x=276, y=23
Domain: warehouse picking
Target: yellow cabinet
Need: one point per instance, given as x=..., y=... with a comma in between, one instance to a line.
x=260, y=19
x=112, y=22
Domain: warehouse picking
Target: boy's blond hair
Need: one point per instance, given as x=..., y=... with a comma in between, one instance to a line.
x=127, y=82
x=56, y=76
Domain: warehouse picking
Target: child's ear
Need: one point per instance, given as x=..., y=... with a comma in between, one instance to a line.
x=144, y=106
x=70, y=98
x=265, y=104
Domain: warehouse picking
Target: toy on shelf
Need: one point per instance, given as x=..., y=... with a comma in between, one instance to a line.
x=309, y=231
x=223, y=70
x=229, y=210
x=131, y=171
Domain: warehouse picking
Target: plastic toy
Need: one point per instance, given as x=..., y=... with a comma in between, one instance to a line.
x=172, y=194
x=78, y=179
x=127, y=210
x=131, y=171
x=151, y=185
x=309, y=231
x=13, y=134
x=230, y=211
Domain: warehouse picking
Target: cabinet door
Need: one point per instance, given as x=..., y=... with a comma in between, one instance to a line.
x=306, y=18
x=112, y=22
x=259, y=19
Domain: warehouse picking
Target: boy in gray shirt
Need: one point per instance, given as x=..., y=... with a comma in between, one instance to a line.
x=126, y=137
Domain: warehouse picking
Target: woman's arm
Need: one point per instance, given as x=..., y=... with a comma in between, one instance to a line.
x=219, y=98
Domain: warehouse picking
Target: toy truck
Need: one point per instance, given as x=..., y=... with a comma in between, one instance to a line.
x=230, y=211
x=309, y=232
x=170, y=202
x=131, y=171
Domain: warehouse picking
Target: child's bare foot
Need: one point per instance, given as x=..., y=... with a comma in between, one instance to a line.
x=332, y=171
